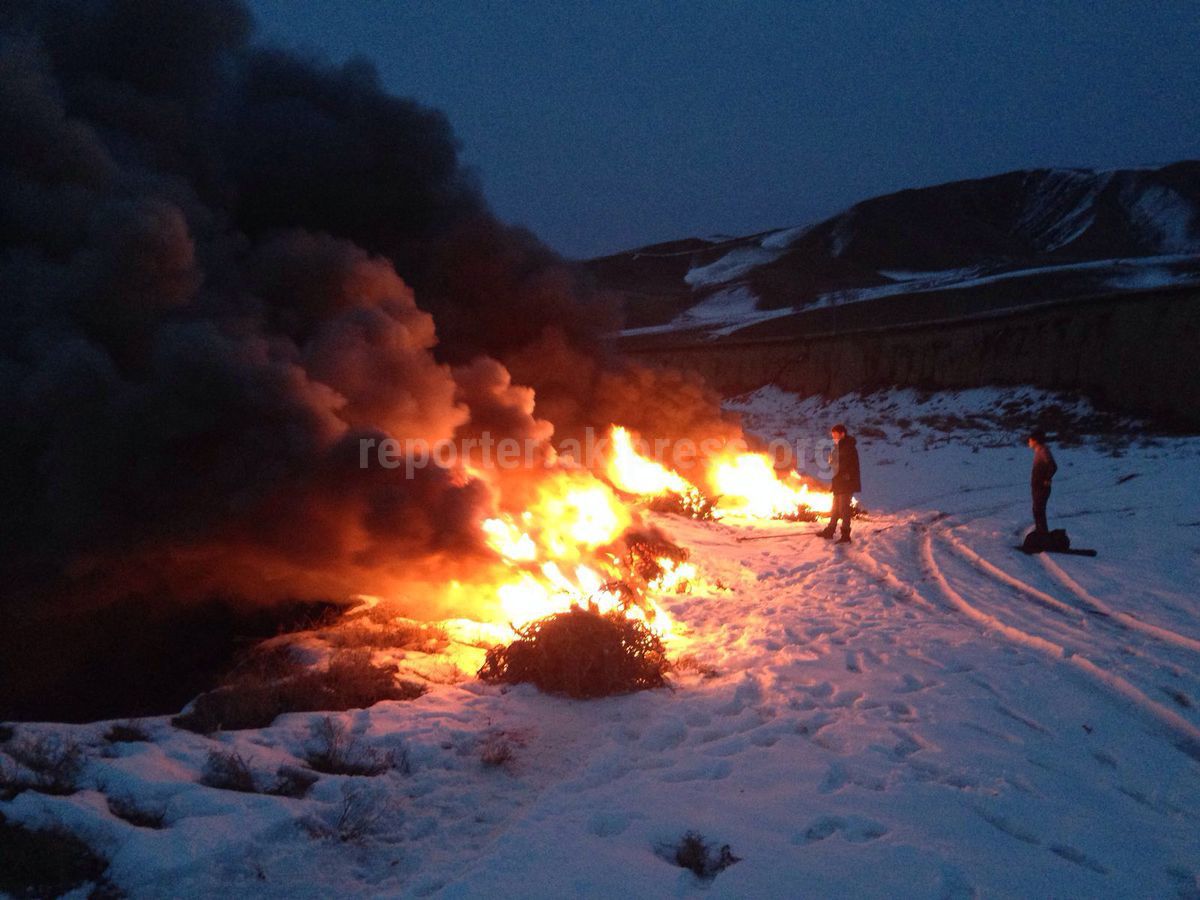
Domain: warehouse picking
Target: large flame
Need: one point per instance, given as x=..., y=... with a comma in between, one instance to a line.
x=632, y=473
x=746, y=484
x=749, y=486
x=557, y=556
x=565, y=548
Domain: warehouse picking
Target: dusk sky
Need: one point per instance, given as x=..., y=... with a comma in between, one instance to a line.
x=604, y=126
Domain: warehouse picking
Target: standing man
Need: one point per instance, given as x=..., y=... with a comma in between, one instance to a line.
x=843, y=460
x=1044, y=468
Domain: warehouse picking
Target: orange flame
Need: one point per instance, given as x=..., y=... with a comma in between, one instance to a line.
x=746, y=483
x=554, y=553
x=749, y=486
x=632, y=473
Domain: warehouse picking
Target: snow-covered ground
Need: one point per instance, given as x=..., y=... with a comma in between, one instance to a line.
x=735, y=306
x=720, y=313
x=922, y=713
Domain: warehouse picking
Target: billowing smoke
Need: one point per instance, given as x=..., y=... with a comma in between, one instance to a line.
x=221, y=266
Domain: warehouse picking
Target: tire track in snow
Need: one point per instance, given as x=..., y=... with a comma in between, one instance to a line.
x=1186, y=735
x=1029, y=590
x=874, y=568
x=1119, y=622
x=1163, y=634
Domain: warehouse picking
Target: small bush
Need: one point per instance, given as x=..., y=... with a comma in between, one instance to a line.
x=581, y=654
x=496, y=749
x=335, y=751
x=228, y=770
x=387, y=634
x=690, y=663
x=801, y=514
x=45, y=863
x=646, y=549
x=130, y=810
x=701, y=858
x=360, y=813
x=10, y=779
x=693, y=504
x=127, y=733
x=292, y=782
x=47, y=763
x=256, y=694
x=354, y=819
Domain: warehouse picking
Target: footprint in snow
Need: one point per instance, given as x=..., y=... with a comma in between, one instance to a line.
x=665, y=735
x=1071, y=854
x=855, y=829
x=609, y=824
x=955, y=885
x=715, y=770
x=910, y=684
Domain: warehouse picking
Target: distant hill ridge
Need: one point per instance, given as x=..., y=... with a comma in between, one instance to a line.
x=1008, y=238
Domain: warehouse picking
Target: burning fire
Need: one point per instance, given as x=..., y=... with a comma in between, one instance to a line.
x=577, y=543
x=749, y=486
x=634, y=474
x=560, y=553
x=746, y=484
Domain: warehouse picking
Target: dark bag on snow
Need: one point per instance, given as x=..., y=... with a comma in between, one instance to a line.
x=1053, y=541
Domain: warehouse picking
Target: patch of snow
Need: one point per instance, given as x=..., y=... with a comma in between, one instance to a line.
x=1062, y=208
x=1163, y=216
x=781, y=240
x=1122, y=268
x=842, y=233
x=1149, y=277
x=938, y=276
x=733, y=264
x=722, y=312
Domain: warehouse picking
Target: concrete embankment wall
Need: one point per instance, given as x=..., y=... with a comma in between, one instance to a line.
x=1137, y=353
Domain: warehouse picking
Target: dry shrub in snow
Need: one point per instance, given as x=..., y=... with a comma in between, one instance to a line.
x=359, y=814
x=126, y=733
x=496, y=749
x=693, y=505
x=337, y=751
x=692, y=852
x=10, y=784
x=47, y=763
x=581, y=654
x=228, y=770
x=385, y=633
x=274, y=683
x=293, y=782
x=136, y=813
x=689, y=662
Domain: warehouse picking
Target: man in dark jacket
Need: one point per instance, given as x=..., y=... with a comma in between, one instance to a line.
x=846, y=481
x=1044, y=468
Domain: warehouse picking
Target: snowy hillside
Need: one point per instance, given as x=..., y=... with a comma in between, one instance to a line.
x=922, y=713
x=1039, y=234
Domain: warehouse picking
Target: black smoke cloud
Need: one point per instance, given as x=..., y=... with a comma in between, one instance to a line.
x=207, y=255
x=221, y=266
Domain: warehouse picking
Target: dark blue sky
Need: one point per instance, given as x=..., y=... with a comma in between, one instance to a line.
x=603, y=126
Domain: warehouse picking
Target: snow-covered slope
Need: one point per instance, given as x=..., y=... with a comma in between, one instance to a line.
x=1038, y=233
x=923, y=713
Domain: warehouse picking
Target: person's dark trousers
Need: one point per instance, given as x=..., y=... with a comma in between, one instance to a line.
x=1040, y=496
x=841, y=510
